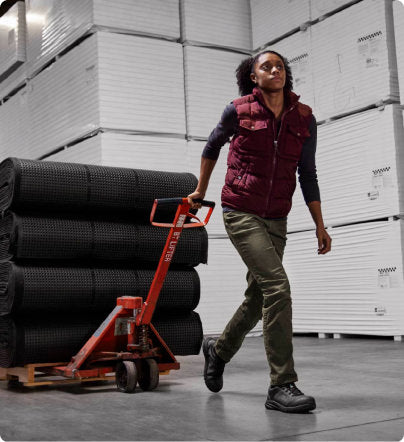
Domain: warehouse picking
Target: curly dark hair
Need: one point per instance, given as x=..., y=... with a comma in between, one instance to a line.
x=246, y=67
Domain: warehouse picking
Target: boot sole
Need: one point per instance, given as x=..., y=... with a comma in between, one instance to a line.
x=304, y=408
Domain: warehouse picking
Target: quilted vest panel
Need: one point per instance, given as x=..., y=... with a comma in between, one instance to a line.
x=261, y=173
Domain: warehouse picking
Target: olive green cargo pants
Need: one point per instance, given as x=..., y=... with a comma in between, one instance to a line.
x=260, y=243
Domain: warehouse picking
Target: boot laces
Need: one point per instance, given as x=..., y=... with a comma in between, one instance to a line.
x=291, y=389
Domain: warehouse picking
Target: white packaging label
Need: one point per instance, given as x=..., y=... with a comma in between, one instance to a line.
x=370, y=49
x=384, y=281
x=380, y=310
x=299, y=66
x=382, y=178
x=377, y=181
x=388, y=278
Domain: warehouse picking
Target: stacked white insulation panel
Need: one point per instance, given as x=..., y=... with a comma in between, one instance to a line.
x=272, y=19
x=210, y=84
x=354, y=59
x=14, y=81
x=159, y=18
x=15, y=125
x=12, y=39
x=224, y=23
x=297, y=49
x=398, y=14
x=360, y=163
x=53, y=25
x=109, y=81
x=358, y=288
x=125, y=150
x=223, y=282
x=320, y=8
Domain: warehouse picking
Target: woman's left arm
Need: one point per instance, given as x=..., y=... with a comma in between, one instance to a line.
x=309, y=185
x=324, y=239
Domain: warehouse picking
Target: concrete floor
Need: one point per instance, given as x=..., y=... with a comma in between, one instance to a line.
x=358, y=385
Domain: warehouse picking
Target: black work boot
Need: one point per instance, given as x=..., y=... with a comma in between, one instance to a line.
x=214, y=366
x=289, y=399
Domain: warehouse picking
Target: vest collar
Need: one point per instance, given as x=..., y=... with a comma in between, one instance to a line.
x=290, y=98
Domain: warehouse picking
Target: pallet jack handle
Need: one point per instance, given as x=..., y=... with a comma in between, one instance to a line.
x=182, y=202
x=145, y=315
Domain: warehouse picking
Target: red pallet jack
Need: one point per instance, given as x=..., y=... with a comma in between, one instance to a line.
x=126, y=342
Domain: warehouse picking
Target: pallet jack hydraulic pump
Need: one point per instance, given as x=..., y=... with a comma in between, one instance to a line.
x=127, y=342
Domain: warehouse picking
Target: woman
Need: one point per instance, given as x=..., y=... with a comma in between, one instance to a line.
x=273, y=135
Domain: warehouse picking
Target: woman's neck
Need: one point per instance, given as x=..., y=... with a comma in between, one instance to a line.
x=275, y=101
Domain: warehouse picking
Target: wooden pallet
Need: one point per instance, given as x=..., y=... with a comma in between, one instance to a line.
x=397, y=338
x=32, y=375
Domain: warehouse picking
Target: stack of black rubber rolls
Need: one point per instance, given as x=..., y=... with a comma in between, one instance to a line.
x=73, y=238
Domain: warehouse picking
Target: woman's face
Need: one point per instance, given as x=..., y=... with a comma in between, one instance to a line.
x=269, y=73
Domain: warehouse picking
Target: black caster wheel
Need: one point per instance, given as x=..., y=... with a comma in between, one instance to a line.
x=126, y=376
x=149, y=374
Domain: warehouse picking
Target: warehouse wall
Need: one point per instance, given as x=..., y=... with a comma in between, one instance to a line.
x=122, y=84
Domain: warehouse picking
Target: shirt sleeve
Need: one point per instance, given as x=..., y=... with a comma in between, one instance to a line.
x=307, y=166
x=222, y=133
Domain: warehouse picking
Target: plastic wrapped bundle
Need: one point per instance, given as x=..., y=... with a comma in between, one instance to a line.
x=81, y=188
x=24, y=341
x=34, y=237
x=26, y=289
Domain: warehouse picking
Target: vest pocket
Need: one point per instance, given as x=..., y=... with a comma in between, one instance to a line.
x=253, y=126
x=293, y=142
x=252, y=135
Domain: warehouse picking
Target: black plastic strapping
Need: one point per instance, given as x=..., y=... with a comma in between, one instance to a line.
x=35, y=289
x=80, y=188
x=24, y=341
x=35, y=237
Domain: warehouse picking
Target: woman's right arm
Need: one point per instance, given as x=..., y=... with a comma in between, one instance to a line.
x=207, y=166
x=219, y=136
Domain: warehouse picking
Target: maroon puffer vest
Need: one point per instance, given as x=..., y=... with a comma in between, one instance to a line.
x=261, y=174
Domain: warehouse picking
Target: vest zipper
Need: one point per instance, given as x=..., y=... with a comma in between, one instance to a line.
x=274, y=158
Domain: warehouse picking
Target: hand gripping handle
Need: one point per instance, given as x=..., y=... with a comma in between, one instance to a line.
x=204, y=203
x=183, y=207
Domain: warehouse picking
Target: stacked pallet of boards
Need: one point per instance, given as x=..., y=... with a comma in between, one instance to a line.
x=347, y=65
x=74, y=238
x=217, y=37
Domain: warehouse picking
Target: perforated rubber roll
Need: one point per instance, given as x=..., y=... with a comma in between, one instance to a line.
x=70, y=187
x=25, y=341
x=183, y=339
x=38, y=289
x=33, y=237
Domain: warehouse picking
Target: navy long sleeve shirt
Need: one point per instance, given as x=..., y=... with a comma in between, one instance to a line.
x=228, y=126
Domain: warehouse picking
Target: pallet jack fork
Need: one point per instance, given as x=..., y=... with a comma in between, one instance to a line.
x=127, y=342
